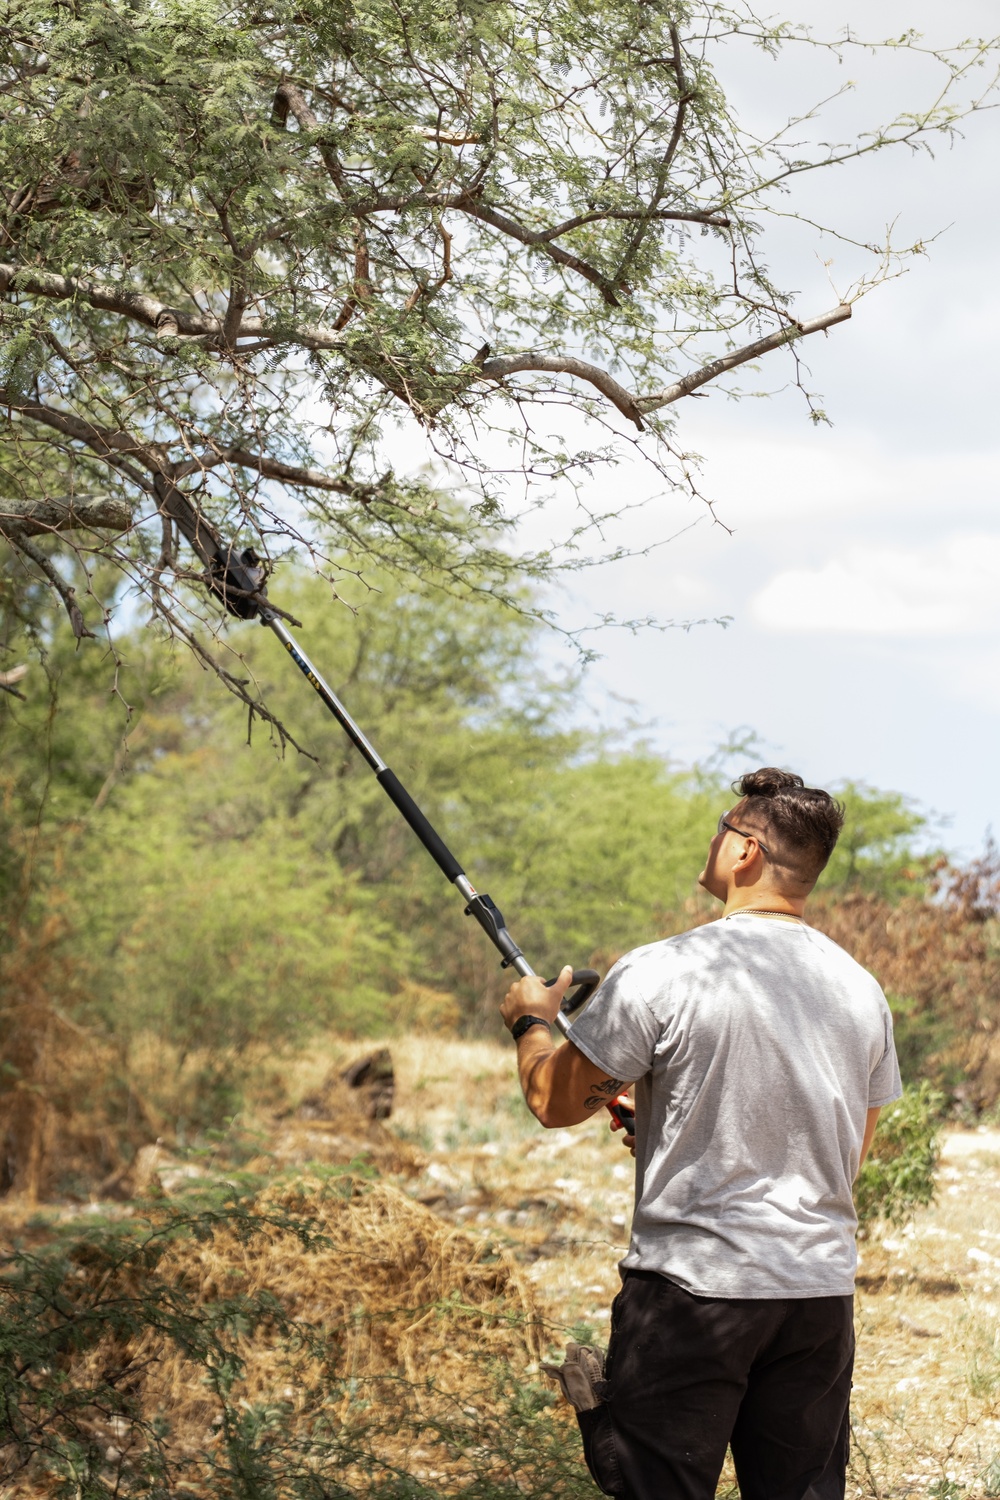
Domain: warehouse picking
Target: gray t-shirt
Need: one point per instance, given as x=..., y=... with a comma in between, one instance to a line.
x=756, y=1048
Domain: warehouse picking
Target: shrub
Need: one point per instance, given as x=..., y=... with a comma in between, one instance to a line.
x=899, y=1173
x=938, y=960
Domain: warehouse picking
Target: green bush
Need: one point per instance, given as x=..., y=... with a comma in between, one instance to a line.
x=923, y=1035
x=898, y=1176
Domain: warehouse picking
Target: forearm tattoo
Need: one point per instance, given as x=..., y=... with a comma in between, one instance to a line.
x=602, y=1092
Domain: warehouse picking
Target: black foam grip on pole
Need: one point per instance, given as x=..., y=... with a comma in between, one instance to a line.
x=425, y=831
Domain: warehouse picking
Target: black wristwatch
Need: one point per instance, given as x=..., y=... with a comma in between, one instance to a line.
x=522, y=1024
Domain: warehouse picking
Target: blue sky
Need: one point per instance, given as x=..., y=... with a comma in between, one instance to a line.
x=863, y=569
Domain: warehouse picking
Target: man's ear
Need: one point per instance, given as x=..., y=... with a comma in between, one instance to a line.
x=749, y=866
x=748, y=854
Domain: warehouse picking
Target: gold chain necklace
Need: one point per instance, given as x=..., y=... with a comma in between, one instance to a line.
x=763, y=911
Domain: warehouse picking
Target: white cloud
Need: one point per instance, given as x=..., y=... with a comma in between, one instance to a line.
x=951, y=589
x=780, y=475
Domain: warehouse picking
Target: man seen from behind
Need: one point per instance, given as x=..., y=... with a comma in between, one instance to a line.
x=760, y=1054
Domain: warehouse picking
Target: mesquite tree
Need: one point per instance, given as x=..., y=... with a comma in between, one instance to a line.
x=244, y=244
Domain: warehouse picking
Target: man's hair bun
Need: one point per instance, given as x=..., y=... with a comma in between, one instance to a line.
x=806, y=821
x=767, y=782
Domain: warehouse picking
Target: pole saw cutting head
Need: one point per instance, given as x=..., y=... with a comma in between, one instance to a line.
x=238, y=580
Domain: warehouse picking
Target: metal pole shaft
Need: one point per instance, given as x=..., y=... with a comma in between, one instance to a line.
x=325, y=691
x=495, y=930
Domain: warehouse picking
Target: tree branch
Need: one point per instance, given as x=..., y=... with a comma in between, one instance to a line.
x=557, y=364
x=171, y=499
x=95, y=438
x=163, y=320
x=684, y=97
x=135, y=305
x=236, y=685
x=166, y=321
x=538, y=241
x=777, y=340
x=92, y=512
x=109, y=444
x=103, y=441
x=8, y=679
x=634, y=406
x=66, y=592
x=272, y=468
x=200, y=533
x=289, y=96
x=635, y=215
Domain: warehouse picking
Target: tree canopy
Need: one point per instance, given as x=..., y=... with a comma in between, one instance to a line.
x=242, y=243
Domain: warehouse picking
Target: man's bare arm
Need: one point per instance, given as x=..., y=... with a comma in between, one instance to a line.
x=870, y=1124
x=560, y=1085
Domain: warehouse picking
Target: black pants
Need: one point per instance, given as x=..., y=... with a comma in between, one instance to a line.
x=686, y=1375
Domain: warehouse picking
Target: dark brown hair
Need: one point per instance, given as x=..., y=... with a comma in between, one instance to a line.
x=805, y=821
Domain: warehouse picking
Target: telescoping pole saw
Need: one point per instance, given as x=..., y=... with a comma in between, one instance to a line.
x=238, y=581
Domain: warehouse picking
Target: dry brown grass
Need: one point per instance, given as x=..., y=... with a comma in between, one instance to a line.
x=397, y=1312
x=379, y=1288
x=939, y=963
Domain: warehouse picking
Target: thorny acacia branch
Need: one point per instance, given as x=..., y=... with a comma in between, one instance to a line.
x=233, y=248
